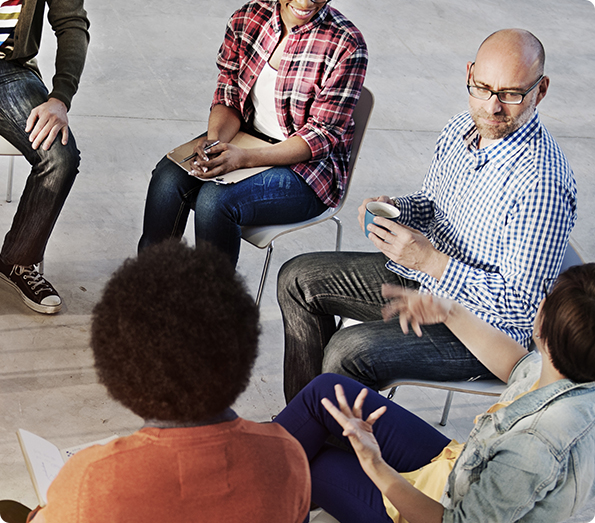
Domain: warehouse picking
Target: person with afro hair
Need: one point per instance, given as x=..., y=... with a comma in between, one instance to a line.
x=174, y=339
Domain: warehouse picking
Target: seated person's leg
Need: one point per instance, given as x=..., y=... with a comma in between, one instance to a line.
x=275, y=196
x=342, y=488
x=339, y=484
x=171, y=194
x=375, y=353
x=314, y=288
x=52, y=175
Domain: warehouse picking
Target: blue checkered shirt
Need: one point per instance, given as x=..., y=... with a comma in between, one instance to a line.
x=502, y=213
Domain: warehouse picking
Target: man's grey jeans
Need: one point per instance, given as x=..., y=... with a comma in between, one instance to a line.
x=314, y=288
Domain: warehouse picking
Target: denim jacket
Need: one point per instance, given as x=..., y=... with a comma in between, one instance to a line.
x=532, y=461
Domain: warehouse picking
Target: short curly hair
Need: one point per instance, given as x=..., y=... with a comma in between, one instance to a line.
x=175, y=334
x=568, y=323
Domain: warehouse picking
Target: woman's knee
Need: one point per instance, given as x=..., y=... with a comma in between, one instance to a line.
x=167, y=178
x=323, y=385
x=215, y=200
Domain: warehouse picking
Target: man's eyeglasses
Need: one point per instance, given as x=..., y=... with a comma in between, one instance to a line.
x=548, y=286
x=320, y=1
x=505, y=97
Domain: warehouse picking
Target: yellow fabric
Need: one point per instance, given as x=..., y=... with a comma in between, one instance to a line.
x=502, y=404
x=430, y=479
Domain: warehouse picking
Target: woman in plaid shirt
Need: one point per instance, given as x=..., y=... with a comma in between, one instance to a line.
x=291, y=70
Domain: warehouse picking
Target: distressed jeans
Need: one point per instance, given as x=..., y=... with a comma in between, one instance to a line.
x=52, y=172
x=275, y=196
x=314, y=288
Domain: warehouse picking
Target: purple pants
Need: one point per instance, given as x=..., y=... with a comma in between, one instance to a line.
x=339, y=485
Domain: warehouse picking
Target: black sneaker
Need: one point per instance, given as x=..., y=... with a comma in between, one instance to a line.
x=35, y=290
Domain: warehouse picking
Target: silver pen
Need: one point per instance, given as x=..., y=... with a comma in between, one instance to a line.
x=207, y=148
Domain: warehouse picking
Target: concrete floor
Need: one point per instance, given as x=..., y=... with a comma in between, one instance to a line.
x=147, y=87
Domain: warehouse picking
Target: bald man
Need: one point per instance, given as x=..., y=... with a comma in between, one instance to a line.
x=489, y=225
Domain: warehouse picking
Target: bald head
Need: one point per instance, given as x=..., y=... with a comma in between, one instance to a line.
x=510, y=60
x=516, y=48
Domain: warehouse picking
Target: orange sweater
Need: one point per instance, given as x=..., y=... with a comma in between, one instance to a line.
x=237, y=471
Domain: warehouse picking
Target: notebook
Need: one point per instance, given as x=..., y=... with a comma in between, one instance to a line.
x=242, y=139
x=44, y=460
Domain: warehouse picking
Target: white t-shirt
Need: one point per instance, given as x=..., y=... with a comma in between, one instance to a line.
x=263, y=99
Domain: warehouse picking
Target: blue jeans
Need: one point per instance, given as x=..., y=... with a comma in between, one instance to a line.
x=314, y=288
x=339, y=485
x=52, y=172
x=275, y=196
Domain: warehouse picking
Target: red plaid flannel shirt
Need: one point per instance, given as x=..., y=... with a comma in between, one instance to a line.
x=318, y=84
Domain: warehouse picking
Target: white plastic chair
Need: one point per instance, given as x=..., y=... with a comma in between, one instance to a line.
x=264, y=236
x=323, y=517
x=7, y=149
x=493, y=387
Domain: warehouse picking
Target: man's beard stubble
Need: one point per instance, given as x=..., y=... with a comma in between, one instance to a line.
x=509, y=124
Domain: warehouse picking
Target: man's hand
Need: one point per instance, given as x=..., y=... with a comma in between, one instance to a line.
x=407, y=247
x=361, y=217
x=45, y=122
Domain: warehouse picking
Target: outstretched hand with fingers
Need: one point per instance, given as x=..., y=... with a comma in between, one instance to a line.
x=358, y=430
x=414, y=308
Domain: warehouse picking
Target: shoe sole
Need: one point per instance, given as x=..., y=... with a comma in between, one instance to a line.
x=37, y=307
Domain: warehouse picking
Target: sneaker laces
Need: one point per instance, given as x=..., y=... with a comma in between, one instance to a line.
x=35, y=280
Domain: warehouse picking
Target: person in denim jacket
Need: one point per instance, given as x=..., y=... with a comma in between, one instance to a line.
x=529, y=457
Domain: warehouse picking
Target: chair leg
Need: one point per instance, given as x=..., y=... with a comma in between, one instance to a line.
x=339, y=233
x=446, y=410
x=265, y=272
x=9, y=183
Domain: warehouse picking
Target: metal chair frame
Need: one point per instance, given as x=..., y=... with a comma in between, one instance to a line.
x=7, y=149
x=264, y=236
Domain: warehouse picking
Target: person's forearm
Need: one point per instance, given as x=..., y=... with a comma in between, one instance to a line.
x=290, y=151
x=224, y=123
x=413, y=504
x=497, y=351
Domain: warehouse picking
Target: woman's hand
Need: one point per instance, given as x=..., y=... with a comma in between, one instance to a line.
x=413, y=504
x=355, y=428
x=217, y=160
x=414, y=308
